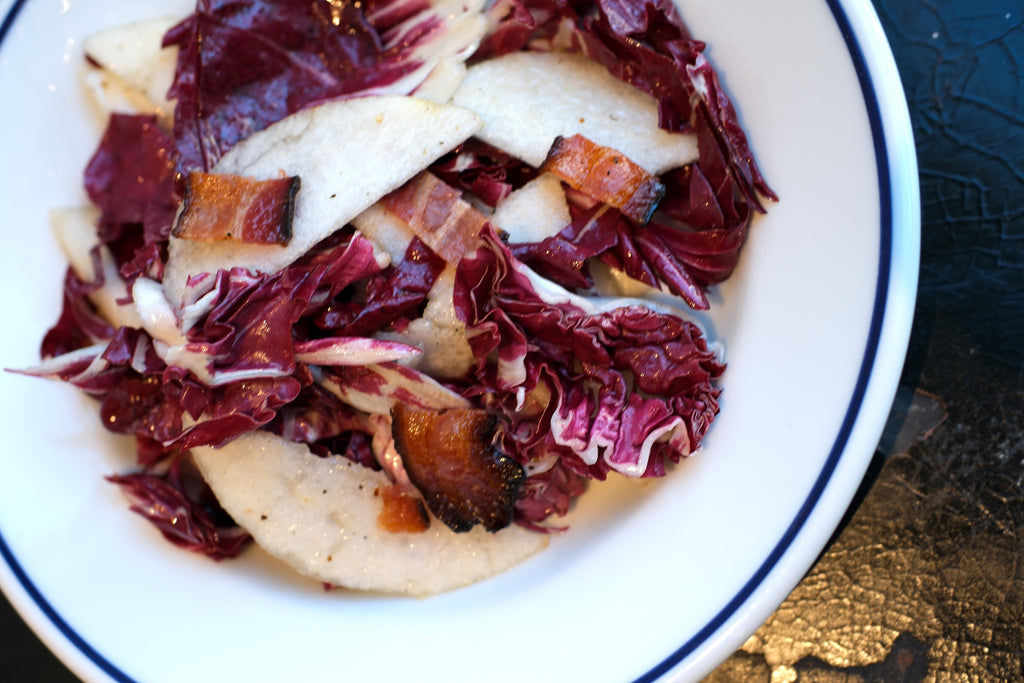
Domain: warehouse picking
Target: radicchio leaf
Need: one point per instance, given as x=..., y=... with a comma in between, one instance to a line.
x=79, y=325
x=179, y=503
x=391, y=294
x=622, y=389
x=130, y=177
x=244, y=341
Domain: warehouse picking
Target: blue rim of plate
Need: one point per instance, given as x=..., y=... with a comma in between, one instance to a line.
x=839, y=446
x=885, y=252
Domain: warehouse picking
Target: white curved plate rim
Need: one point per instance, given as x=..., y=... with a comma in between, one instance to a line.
x=867, y=409
x=884, y=354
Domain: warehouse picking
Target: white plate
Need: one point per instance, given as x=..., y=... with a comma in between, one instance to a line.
x=664, y=579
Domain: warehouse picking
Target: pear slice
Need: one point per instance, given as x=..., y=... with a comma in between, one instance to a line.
x=319, y=515
x=534, y=212
x=348, y=154
x=530, y=98
x=136, y=72
x=75, y=230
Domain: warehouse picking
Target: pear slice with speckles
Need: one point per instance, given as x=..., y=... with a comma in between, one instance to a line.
x=319, y=515
x=529, y=98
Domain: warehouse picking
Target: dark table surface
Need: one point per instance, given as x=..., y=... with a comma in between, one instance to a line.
x=925, y=581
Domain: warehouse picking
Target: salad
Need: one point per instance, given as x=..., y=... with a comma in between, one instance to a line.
x=376, y=271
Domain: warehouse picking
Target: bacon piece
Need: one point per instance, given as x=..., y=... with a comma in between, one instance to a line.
x=451, y=458
x=438, y=214
x=219, y=207
x=606, y=175
x=401, y=512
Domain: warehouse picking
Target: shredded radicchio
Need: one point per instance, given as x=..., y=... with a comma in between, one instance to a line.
x=251, y=332
x=624, y=389
x=180, y=504
x=582, y=391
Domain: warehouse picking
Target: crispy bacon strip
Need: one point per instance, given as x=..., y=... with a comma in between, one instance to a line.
x=450, y=457
x=400, y=511
x=438, y=215
x=606, y=175
x=219, y=207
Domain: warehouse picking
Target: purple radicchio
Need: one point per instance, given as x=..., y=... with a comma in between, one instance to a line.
x=245, y=349
x=180, y=504
x=617, y=387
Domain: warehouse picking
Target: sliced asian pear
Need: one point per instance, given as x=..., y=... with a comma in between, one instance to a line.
x=389, y=234
x=529, y=98
x=135, y=71
x=437, y=213
x=451, y=457
x=442, y=81
x=534, y=212
x=221, y=206
x=76, y=232
x=440, y=334
x=349, y=154
x=605, y=174
x=320, y=516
